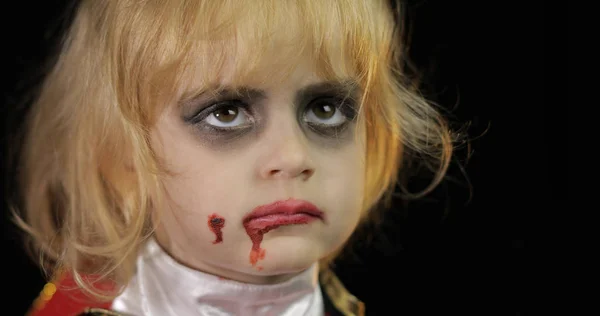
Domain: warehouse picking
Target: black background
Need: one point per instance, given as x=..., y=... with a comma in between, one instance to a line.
x=452, y=252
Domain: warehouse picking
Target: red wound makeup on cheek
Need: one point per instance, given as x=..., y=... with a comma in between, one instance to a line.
x=216, y=223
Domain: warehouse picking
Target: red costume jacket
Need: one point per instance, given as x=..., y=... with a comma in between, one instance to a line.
x=64, y=298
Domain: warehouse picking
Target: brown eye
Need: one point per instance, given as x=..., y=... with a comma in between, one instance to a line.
x=323, y=111
x=226, y=114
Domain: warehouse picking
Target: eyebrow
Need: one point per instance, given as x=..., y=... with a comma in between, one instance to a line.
x=347, y=88
x=221, y=92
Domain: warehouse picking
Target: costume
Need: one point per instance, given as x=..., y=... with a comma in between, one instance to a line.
x=164, y=287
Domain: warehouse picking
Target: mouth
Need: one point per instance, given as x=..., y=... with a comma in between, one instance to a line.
x=270, y=216
x=288, y=212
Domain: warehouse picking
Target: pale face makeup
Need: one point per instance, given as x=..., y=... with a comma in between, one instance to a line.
x=233, y=151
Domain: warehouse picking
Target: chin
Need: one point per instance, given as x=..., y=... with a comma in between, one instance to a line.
x=288, y=254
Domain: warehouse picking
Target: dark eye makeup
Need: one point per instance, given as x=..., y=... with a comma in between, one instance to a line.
x=325, y=110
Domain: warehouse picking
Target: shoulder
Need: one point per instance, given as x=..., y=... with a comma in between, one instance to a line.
x=63, y=297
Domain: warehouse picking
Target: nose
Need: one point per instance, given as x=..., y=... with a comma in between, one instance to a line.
x=287, y=154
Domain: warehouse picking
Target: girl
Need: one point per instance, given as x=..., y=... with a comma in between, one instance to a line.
x=194, y=157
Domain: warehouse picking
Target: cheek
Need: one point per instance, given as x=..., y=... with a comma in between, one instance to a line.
x=342, y=183
x=194, y=171
x=205, y=185
x=200, y=185
x=204, y=212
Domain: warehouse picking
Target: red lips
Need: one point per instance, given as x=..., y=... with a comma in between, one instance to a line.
x=267, y=217
x=280, y=210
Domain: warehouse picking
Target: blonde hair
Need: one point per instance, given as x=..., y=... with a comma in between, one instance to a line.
x=90, y=176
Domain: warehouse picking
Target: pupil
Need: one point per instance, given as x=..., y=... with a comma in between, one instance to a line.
x=324, y=111
x=226, y=115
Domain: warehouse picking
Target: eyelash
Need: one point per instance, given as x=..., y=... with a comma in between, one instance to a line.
x=199, y=118
x=345, y=106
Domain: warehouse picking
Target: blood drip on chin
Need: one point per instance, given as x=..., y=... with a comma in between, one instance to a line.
x=256, y=230
x=256, y=235
x=216, y=223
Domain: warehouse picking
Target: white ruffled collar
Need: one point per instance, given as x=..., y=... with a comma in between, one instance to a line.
x=163, y=287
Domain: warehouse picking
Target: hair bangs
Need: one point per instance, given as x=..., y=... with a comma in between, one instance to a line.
x=258, y=43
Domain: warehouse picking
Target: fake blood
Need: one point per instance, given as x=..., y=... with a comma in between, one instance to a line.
x=216, y=223
x=257, y=227
x=256, y=235
x=267, y=217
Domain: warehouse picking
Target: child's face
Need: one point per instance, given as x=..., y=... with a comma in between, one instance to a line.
x=267, y=144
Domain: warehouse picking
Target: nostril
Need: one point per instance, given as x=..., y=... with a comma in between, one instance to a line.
x=274, y=172
x=308, y=173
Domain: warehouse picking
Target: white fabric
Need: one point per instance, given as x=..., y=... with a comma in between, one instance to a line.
x=163, y=287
